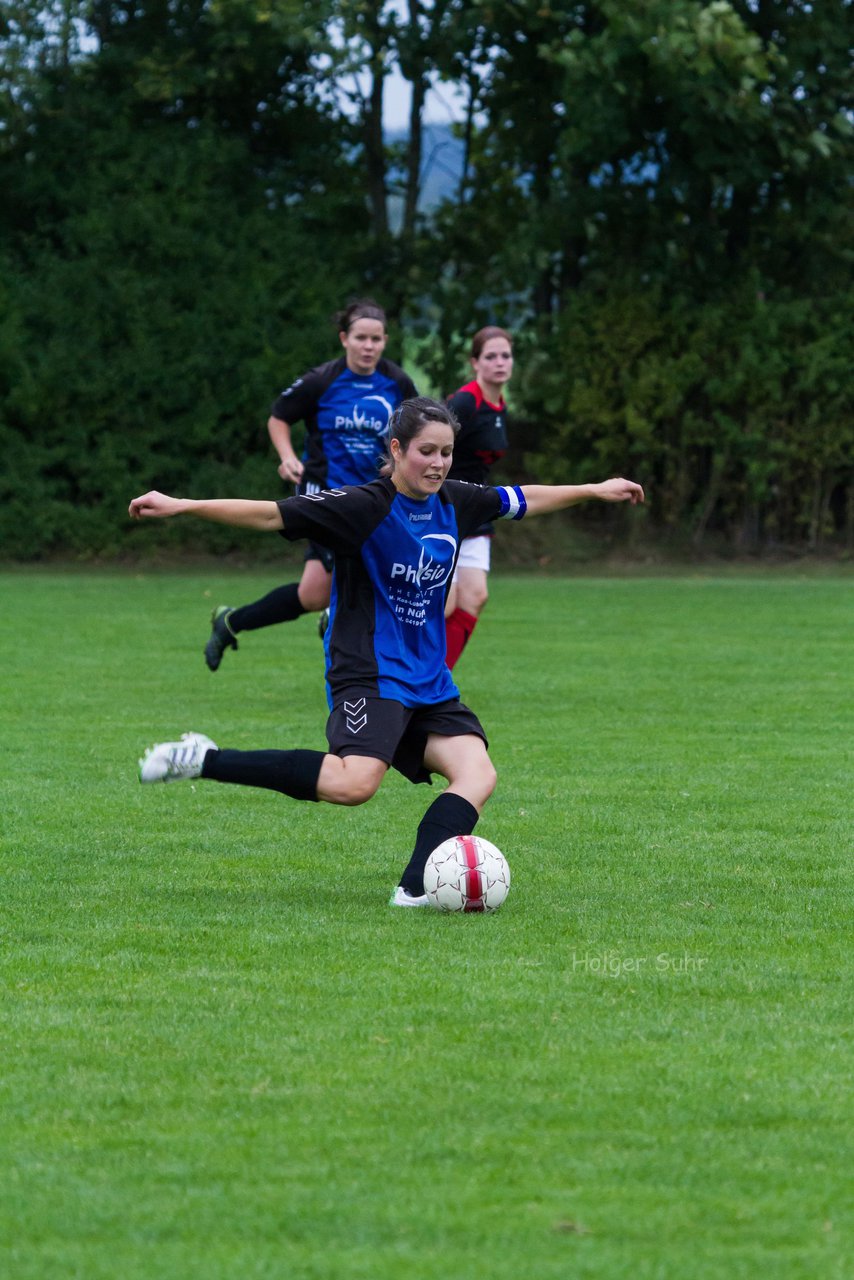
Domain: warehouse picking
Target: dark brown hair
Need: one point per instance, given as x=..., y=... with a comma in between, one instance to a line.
x=409, y=420
x=359, y=309
x=483, y=336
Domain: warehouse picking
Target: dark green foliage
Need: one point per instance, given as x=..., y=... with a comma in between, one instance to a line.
x=734, y=413
x=656, y=199
x=660, y=206
x=166, y=277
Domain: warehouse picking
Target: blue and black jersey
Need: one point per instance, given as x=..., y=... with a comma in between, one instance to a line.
x=346, y=416
x=394, y=559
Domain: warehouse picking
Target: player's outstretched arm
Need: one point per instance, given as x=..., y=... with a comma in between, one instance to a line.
x=242, y=512
x=543, y=498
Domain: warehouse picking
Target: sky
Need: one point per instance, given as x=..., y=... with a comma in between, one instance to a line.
x=444, y=104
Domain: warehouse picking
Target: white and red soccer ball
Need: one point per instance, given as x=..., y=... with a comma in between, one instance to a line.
x=466, y=873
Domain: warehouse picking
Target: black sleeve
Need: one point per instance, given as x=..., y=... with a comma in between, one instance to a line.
x=464, y=463
x=340, y=519
x=299, y=400
x=405, y=384
x=475, y=504
x=462, y=406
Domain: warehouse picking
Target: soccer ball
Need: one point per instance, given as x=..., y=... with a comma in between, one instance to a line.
x=466, y=873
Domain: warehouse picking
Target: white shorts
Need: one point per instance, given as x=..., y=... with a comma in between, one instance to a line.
x=474, y=554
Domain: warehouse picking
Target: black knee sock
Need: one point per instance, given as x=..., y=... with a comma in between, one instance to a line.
x=281, y=605
x=449, y=815
x=294, y=773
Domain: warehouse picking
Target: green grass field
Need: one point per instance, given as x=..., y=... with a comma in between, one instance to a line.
x=224, y=1056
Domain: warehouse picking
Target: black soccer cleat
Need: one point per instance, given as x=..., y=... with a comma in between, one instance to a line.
x=221, y=637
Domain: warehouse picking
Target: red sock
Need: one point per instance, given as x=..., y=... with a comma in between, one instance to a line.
x=458, y=629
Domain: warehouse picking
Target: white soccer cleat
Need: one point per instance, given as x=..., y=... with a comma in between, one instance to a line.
x=170, y=761
x=401, y=898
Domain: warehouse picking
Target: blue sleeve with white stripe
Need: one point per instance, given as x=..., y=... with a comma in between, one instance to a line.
x=513, y=504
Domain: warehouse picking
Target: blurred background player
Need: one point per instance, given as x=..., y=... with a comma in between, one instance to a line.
x=346, y=405
x=480, y=410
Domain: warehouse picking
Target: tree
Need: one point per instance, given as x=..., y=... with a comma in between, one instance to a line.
x=162, y=271
x=655, y=199
x=657, y=188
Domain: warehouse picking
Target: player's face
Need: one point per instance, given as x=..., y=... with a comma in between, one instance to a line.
x=364, y=343
x=494, y=365
x=422, y=467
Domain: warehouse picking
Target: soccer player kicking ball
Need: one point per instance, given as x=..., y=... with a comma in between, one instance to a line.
x=393, y=701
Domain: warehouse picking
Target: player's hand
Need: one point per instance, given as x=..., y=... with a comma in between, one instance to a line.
x=619, y=490
x=154, y=504
x=291, y=469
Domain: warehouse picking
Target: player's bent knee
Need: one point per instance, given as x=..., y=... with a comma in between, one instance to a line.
x=486, y=781
x=476, y=783
x=313, y=599
x=357, y=793
x=352, y=780
x=473, y=602
x=315, y=586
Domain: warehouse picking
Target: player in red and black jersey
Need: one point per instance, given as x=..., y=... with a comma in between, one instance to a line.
x=482, y=414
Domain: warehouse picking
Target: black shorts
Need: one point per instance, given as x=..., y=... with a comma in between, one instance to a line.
x=362, y=724
x=314, y=551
